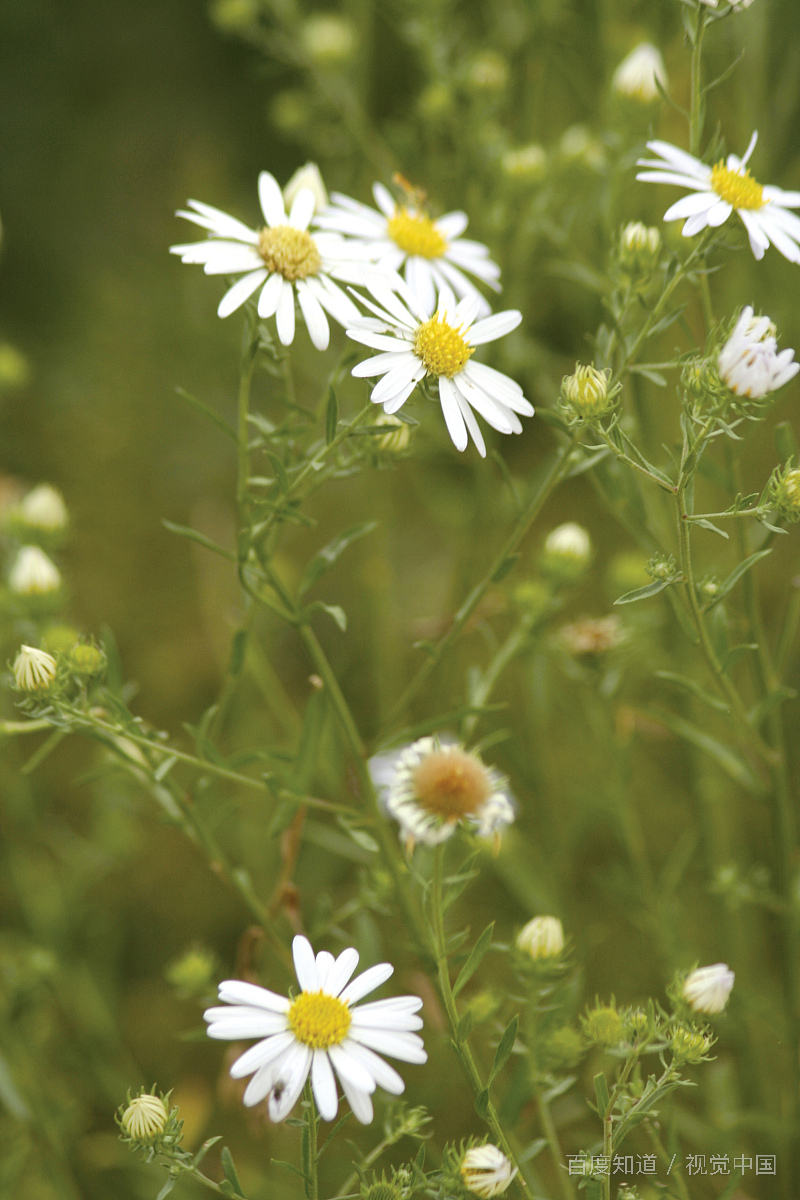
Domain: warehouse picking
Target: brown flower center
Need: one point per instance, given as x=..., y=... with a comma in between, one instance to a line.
x=451, y=784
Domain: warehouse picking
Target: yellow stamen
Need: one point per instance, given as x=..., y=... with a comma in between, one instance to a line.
x=416, y=234
x=319, y=1020
x=441, y=347
x=737, y=187
x=291, y=252
x=451, y=784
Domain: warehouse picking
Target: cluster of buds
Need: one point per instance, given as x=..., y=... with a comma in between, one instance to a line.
x=588, y=394
x=567, y=553
x=782, y=493
x=37, y=671
x=639, y=249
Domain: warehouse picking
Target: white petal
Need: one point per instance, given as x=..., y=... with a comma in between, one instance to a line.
x=494, y=327
x=452, y=224
x=384, y=1075
x=467, y=309
x=342, y=969
x=270, y=295
x=378, y=341
x=284, y=315
x=719, y=214
x=220, y=222
x=261, y=1054
x=789, y=222
x=673, y=177
x=348, y=1069
x=420, y=280
x=263, y=1080
x=305, y=964
x=483, y=404
x=360, y=1102
x=404, y=1022
x=454, y=263
x=293, y=1077
x=379, y=364
x=396, y=402
x=408, y=1047
x=233, y=262
x=325, y=961
x=474, y=432
x=302, y=209
x=452, y=414
x=242, y=290
x=750, y=147
x=688, y=206
x=447, y=302
x=314, y=316
x=399, y=1004
x=258, y=1024
x=498, y=386
x=324, y=1086
x=759, y=242
x=679, y=158
x=395, y=380
x=333, y=299
x=271, y=199
x=384, y=200
x=366, y=982
x=235, y=991
x=780, y=240
x=694, y=224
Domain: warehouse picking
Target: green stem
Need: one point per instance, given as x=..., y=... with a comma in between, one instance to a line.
x=697, y=117
x=448, y=1000
x=313, y=1153
x=506, y=654
x=556, y=1153
x=249, y=353
x=558, y=469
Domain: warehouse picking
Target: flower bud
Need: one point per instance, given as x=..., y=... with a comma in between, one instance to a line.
x=488, y=71
x=328, y=39
x=527, y=164
x=86, y=659
x=14, y=369
x=587, y=391
x=485, y=1171
x=689, y=1046
x=565, y=1046
x=543, y=937
x=34, y=670
x=635, y=77
x=44, y=508
x=145, y=1118
x=784, y=493
x=639, y=248
x=193, y=973
x=603, y=1025
x=306, y=177
x=533, y=597
x=662, y=567
x=33, y=573
x=397, y=438
x=567, y=551
x=706, y=990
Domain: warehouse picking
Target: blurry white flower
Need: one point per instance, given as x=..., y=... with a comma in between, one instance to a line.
x=578, y=144
x=526, y=163
x=486, y=1171
x=318, y=1032
x=636, y=75
x=568, y=546
x=328, y=38
x=718, y=191
x=543, y=937
x=432, y=252
x=145, y=1118
x=430, y=787
x=280, y=259
x=34, y=670
x=33, y=573
x=44, y=508
x=306, y=177
x=707, y=989
x=749, y=362
x=736, y=5
x=415, y=341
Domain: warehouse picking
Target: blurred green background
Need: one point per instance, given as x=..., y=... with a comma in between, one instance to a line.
x=111, y=116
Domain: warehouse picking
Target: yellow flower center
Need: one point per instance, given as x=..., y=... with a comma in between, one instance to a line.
x=291, y=252
x=319, y=1020
x=451, y=784
x=737, y=187
x=442, y=348
x=416, y=234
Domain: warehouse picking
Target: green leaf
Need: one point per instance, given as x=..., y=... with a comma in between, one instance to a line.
x=723, y=755
x=331, y=415
x=482, y=1103
x=164, y=768
x=704, y=524
x=601, y=1094
x=504, y=1048
x=280, y=471
x=464, y=1027
x=200, y=538
x=735, y=653
x=475, y=958
x=691, y=686
x=506, y=566
x=282, y=817
x=206, y=1146
x=333, y=610
x=326, y=557
x=736, y=574
x=779, y=696
x=167, y=1188
x=238, y=652
x=650, y=589
x=229, y=1171
x=207, y=411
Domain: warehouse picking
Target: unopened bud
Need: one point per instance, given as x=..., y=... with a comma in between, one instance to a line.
x=398, y=436
x=567, y=551
x=587, y=391
x=707, y=989
x=784, y=493
x=639, y=247
x=33, y=573
x=44, y=508
x=86, y=659
x=635, y=77
x=543, y=937
x=328, y=38
x=34, y=670
x=306, y=177
x=145, y=1118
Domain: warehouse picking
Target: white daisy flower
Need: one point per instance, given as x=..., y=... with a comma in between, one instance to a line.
x=486, y=1171
x=33, y=573
x=319, y=1031
x=707, y=989
x=636, y=75
x=34, y=670
x=430, y=787
x=281, y=259
x=749, y=362
x=722, y=189
x=432, y=252
x=415, y=341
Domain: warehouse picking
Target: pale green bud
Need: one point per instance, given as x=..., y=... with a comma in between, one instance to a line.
x=527, y=164
x=543, y=937
x=587, y=391
x=328, y=39
x=34, y=670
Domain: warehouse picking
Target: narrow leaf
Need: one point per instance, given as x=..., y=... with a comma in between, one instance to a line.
x=331, y=415
x=650, y=589
x=207, y=411
x=229, y=1171
x=736, y=574
x=601, y=1094
x=723, y=755
x=475, y=958
x=464, y=1027
x=326, y=557
x=692, y=686
x=482, y=1104
x=200, y=538
x=505, y=567
x=504, y=1048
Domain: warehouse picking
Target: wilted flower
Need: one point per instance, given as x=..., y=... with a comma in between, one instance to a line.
x=707, y=989
x=145, y=1118
x=587, y=391
x=567, y=551
x=636, y=75
x=309, y=177
x=543, y=937
x=34, y=670
x=430, y=787
x=485, y=1171
x=44, y=508
x=749, y=362
x=718, y=191
x=33, y=573
x=318, y=1032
